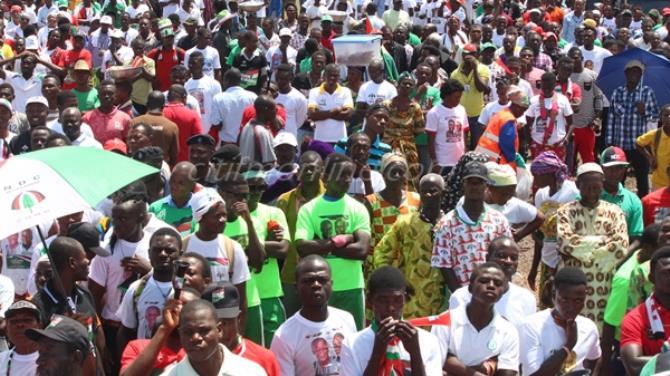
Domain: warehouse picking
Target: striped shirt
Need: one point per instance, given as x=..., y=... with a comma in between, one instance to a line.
x=624, y=122
x=377, y=151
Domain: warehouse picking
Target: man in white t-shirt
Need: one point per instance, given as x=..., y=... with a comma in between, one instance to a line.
x=211, y=62
x=292, y=99
x=593, y=55
x=226, y=256
x=207, y=355
x=309, y=343
x=202, y=87
x=128, y=246
x=22, y=359
x=549, y=119
x=559, y=340
x=228, y=106
x=330, y=106
x=446, y=125
x=282, y=53
x=377, y=89
x=478, y=338
x=144, y=301
x=389, y=337
x=516, y=303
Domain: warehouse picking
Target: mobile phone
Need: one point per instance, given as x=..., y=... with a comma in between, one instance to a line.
x=180, y=272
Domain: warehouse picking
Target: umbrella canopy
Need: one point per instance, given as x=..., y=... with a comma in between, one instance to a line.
x=40, y=186
x=656, y=73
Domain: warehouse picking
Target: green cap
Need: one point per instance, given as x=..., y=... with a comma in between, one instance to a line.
x=62, y=3
x=326, y=17
x=486, y=45
x=168, y=32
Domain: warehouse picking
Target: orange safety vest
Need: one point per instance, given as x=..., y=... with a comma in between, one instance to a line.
x=489, y=141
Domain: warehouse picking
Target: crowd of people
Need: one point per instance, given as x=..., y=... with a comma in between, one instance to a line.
x=312, y=216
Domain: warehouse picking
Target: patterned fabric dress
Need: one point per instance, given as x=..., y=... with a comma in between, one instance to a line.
x=384, y=215
x=400, y=133
x=594, y=240
x=408, y=246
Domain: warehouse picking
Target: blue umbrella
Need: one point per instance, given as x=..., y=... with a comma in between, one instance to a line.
x=656, y=73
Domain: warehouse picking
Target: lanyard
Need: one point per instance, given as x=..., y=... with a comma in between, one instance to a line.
x=70, y=303
x=9, y=362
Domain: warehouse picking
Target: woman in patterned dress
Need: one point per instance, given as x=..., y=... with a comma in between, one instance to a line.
x=405, y=122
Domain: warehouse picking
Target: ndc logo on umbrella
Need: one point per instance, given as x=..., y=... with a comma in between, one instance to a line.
x=27, y=200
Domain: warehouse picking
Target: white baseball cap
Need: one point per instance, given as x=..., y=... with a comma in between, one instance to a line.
x=284, y=138
x=37, y=99
x=285, y=32
x=106, y=20
x=202, y=201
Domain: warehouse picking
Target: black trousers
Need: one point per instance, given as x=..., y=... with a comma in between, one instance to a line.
x=641, y=167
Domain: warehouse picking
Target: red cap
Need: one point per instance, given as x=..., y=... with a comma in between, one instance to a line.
x=115, y=144
x=16, y=9
x=539, y=30
x=470, y=48
x=550, y=34
x=665, y=12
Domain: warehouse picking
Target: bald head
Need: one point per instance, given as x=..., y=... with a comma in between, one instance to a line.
x=155, y=100
x=430, y=180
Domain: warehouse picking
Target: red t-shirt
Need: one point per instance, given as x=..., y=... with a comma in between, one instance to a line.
x=259, y=355
x=165, y=356
x=165, y=61
x=656, y=206
x=188, y=122
x=68, y=58
x=250, y=113
x=635, y=329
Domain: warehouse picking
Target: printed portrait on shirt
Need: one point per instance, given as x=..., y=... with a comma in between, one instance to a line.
x=325, y=365
x=151, y=314
x=16, y=249
x=332, y=225
x=454, y=130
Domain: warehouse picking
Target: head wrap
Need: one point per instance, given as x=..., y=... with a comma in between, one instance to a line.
x=454, y=181
x=518, y=96
x=389, y=158
x=405, y=75
x=322, y=148
x=549, y=163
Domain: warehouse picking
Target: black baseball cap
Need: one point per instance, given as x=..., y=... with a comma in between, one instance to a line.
x=86, y=234
x=225, y=298
x=228, y=153
x=65, y=330
x=474, y=169
x=201, y=139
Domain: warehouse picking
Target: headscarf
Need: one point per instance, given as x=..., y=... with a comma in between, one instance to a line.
x=405, y=75
x=454, y=181
x=389, y=158
x=549, y=163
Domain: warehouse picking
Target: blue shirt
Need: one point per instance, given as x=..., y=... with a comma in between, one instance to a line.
x=570, y=22
x=377, y=151
x=625, y=124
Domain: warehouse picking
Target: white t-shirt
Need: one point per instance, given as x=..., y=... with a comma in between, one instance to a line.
x=299, y=341
x=17, y=251
x=594, y=59
x=56, y=126
x=108, y=272
x=517, y=211
x=204, y=90
x=330, y=130
x=540, y=337
x=540, y=125
x=135, y=12
x=124, y=53
x=143, y=315
x=357, y=351
x=472, y=347
x=547, y=204
x=232, y=365
x=22, y=365
x=217, y=256
x=489, y=110
x=515, y=304
x=357, y=186
x=372, y=92
x=449, y=126
x=211, y=60
x=295, y=104
x=227, y=109
x=6, y=294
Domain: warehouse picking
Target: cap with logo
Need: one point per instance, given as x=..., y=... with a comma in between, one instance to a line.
x=487, y=45
x=37, y=99
x=86, y=234
x=634, y=64
x=202, y=201
x=106, y=20
x=81, y=65
x=21, y=305
x=613, y=156
x=116, y=144
x=500, y=175
x=201, y=139
x=225, y=298
x=285, y=32
x=475, y=169
x=326, y=18
x=64, y=330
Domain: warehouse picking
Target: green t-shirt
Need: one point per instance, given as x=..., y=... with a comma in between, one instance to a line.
x=268, y=280
x=323, y=219
x=234, y=51
x=430, y=99
x=179, y=218
x=237, y=230
x=631, y=206
x=118, y=11
x=617, y=303
x=306, y=65
x=640, y=286
x=414, y=40
x=87, y=100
